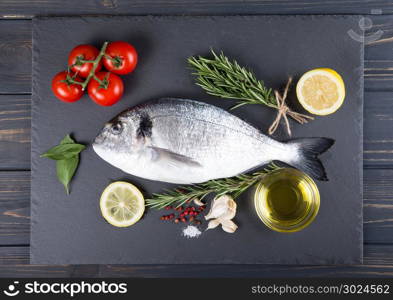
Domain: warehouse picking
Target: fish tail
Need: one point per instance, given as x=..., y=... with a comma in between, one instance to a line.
x=308, y=151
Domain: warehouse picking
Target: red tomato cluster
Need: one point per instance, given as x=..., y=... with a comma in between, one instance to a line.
x=104, y=87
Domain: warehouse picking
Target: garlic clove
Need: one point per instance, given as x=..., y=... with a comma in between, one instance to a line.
x=213, y=224
x=228, y=226
x=222, y=206
x=198, y=202
x=231, y=210
x=216, y=213
x=217, y=209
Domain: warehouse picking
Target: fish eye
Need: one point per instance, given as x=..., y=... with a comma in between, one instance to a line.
x=117, y=128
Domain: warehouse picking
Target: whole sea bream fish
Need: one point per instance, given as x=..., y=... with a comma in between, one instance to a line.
x=185, y=141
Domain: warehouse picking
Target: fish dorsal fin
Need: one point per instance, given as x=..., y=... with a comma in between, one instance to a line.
x=172, y=159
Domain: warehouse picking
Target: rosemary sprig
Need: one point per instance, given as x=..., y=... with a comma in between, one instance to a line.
x=233, y=186
x=227, y=79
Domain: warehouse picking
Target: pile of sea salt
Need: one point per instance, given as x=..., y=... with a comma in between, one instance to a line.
x=191, y=231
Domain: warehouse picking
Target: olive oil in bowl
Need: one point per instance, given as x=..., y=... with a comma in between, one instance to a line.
x=287, y=200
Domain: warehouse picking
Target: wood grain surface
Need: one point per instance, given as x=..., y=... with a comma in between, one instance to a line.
x=15, y=132
x=15, y=89
x=28, y=8
x=15, y=57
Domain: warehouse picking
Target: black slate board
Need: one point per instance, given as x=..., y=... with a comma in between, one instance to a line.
x=69, y=229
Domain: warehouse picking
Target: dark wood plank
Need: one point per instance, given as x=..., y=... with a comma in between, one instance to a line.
x=15, y=207
x=15, y=56
x=378, y=262
x=27, y=9
x=378, y=64
x=14, y=262
x=378, y=134
x=15, y=131
x=378, y=206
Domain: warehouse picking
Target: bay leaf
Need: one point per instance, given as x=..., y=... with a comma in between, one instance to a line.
x=63, y=151
x=65, y=170
x=67, y=140
x=66, y=155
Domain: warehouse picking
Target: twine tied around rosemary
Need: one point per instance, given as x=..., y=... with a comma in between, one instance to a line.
x=284, y=111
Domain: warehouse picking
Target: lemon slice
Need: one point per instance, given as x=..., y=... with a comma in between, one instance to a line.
x=321, y=91
x=122, y=204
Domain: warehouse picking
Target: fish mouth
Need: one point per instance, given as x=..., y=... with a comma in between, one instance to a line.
x=99, y=139
x=98, y=142
x=95, y=145
x=101, y=136
x=98, y=145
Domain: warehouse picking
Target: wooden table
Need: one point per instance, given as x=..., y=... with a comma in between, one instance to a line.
x=15, y=94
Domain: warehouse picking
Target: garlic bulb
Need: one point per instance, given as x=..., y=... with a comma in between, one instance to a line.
x=222, y=211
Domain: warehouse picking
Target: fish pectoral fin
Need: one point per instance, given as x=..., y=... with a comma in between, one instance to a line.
x=173, y=159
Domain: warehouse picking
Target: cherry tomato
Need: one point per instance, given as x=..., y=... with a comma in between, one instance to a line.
x=108, y=92
x=83, y=52
x=64, y=89
x=121, y=58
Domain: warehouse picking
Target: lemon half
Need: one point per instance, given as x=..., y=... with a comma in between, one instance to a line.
x=122, y=204
x=321, y=91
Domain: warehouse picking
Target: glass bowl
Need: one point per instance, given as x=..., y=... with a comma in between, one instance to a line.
x=287, y=200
